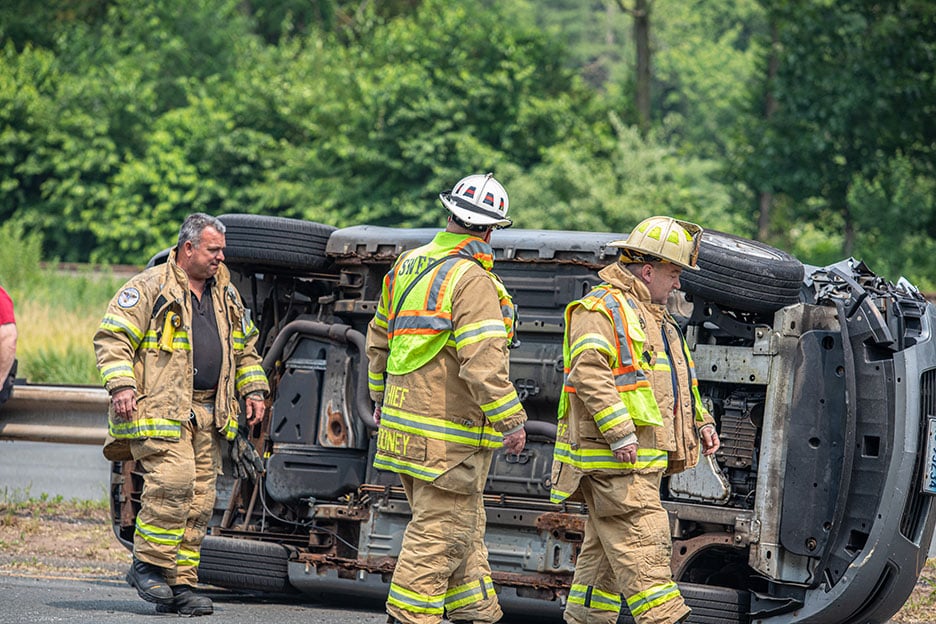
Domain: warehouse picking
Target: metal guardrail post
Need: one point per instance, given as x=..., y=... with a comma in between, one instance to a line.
x=63, y=414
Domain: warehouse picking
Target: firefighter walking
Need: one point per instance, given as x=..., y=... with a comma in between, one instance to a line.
x=629, y=412
x=175, y=349
x=438, y=372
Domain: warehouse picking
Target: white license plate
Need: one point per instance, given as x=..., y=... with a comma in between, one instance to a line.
x=929, y=467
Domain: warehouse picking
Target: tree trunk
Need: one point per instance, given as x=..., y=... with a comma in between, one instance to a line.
x=848, y=240
x=642, y=40
x=765, y=202
x=641, y=15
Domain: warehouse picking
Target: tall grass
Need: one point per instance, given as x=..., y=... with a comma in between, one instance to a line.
x=56, y=313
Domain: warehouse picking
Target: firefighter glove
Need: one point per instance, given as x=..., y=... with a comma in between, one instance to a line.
x=245, y=459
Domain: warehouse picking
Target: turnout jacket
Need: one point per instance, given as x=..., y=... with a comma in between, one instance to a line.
x=143, y=343
x=629, y=377
x=438, y=359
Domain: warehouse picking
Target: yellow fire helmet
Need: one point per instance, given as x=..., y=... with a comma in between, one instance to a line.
x=662, y=239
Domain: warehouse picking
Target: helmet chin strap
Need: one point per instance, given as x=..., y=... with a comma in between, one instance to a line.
x=480, y=229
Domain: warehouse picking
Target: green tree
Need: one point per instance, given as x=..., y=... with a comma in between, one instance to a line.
x=615, y=184
x=855, y=89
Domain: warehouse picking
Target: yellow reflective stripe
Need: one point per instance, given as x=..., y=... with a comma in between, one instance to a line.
x=146, y=428
x=187, y=558
x=653, y=597
x=502, y=408
x=662, y=362
x=380, y=319
x=415, y=602
x=481, y=330
x=120, y=325
x=611, y=416
x=122, y=368
x=394, y=464
x=469, y=593
x=591, y=341
x=557, y=496
x=248, y=375
x=230, y=428
x=375, y=381
x=592, y=459
x=593, y=598
x=238, y=340
x=439, y=429
x=180, y=340
x=157, y=535
x=249, y=328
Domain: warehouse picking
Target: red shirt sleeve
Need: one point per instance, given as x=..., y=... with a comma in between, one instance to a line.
x=6, y=308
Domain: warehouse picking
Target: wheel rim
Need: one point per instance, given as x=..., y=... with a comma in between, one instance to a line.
x=743, y=246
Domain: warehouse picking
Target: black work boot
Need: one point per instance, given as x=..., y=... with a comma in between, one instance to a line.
x=149, y=582
x=186, y=602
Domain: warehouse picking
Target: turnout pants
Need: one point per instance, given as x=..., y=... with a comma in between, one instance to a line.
x=443, y=564
x=178, y=496
x=626, y=552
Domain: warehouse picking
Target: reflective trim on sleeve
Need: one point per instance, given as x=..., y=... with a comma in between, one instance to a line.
x=120, y=325
x=120, y=369
x=375, y=381
x=247, y=375
x=591, y=341
x=476, y=332
x=604, y=459
x=380, y=319
x=611, y=416
x=502, y=408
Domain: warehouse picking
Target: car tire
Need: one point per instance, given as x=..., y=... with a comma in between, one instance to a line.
x=277, y=243
x=743, y=274
x=710, y=605
x=244, y=564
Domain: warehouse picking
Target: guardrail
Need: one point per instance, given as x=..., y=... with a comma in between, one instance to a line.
x=64, y=414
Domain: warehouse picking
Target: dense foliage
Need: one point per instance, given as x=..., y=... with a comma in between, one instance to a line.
x=117, y=118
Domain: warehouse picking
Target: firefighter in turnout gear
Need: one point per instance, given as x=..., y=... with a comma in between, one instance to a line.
x=629, y=412
x=175, y=349
x=438, y=372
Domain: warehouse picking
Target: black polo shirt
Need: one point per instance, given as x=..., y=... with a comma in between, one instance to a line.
x=206, y=344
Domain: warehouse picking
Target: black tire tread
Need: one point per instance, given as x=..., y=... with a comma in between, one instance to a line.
x=244, y=564
x=744, y=274
x=710, y=605
x=275, y=242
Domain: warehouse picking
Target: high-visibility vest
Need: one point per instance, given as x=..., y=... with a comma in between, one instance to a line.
x=631, y=381
x=420, y=325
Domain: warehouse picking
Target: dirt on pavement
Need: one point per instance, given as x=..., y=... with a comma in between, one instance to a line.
x=42, y=538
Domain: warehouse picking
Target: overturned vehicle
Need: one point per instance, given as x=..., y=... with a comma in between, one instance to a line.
x=817, y=508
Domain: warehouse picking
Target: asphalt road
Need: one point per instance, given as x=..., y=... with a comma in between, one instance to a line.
x=24, y=600
x=72, y=471
x=81, y=472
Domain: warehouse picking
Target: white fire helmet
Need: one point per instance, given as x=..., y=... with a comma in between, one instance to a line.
x=478, y=200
